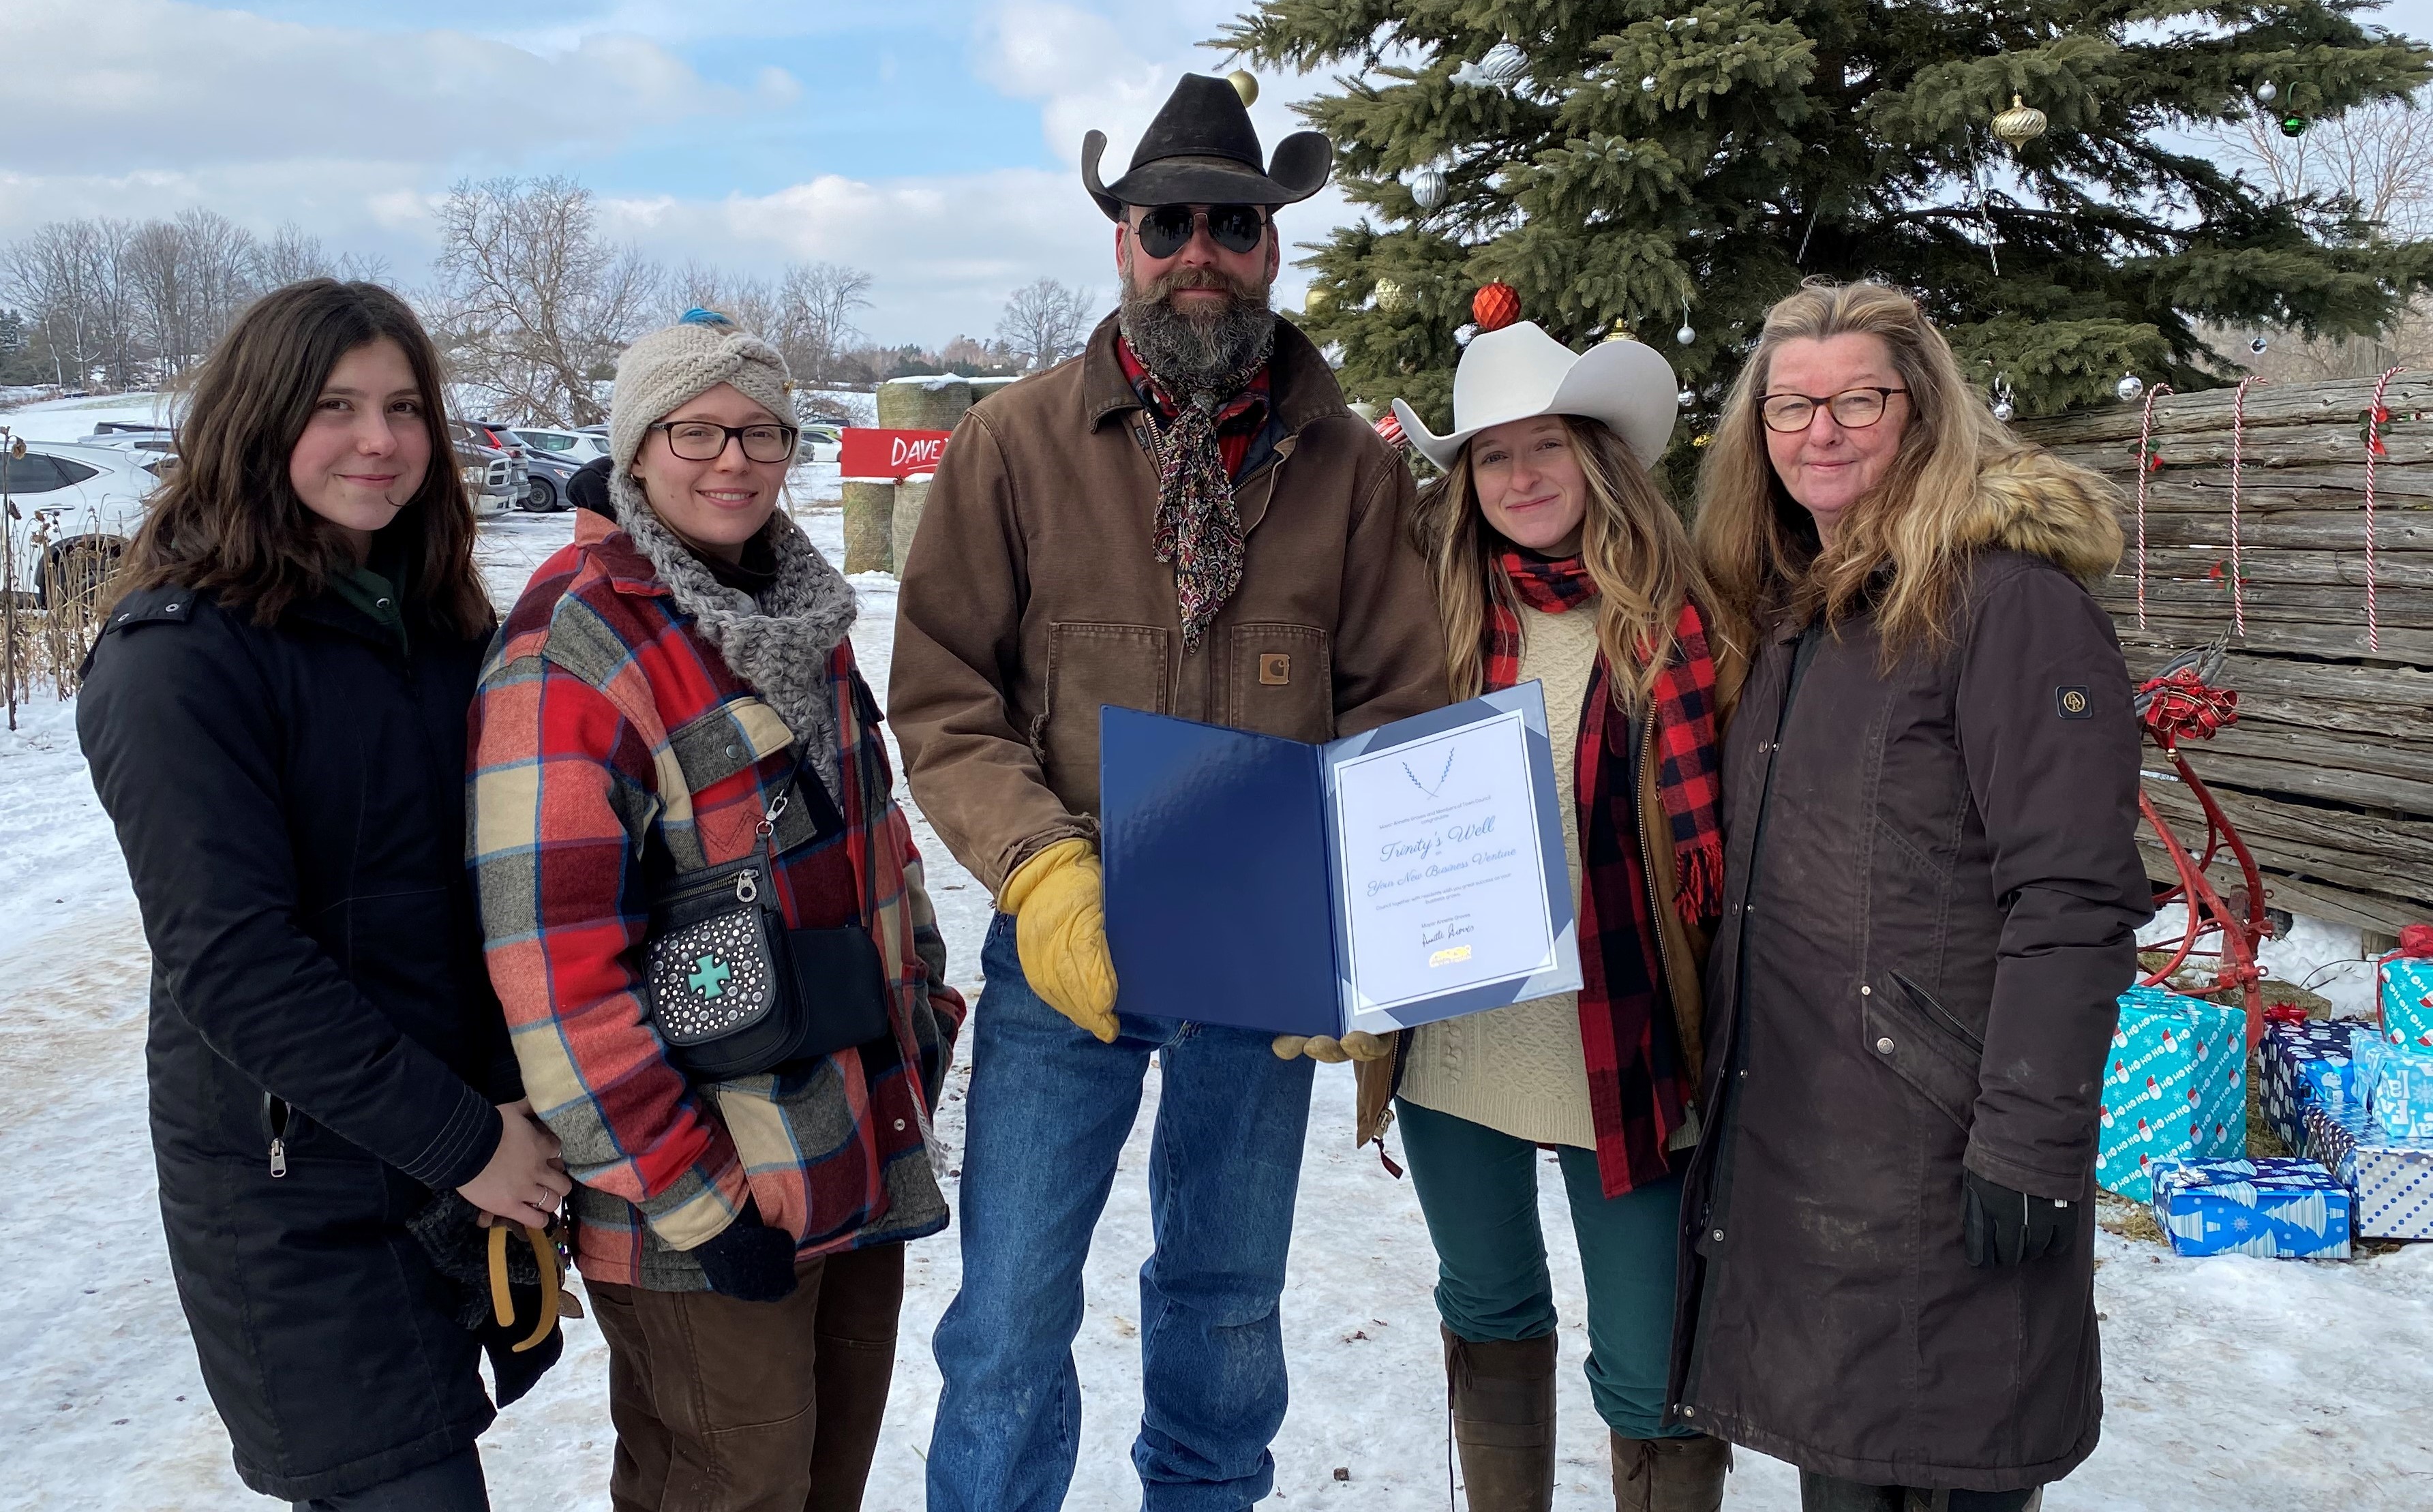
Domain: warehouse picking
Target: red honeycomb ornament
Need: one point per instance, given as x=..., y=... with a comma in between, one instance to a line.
x=1495, y=307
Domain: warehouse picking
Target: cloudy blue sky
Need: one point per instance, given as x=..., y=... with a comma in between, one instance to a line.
x=931, y=142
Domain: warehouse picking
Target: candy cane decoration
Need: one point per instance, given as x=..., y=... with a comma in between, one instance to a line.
x=2237, y=463
x=2147, y=462
x=2376, y=419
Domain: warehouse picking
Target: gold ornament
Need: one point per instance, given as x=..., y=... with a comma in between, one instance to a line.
x=2020, y=124
x=1317, y=300
x=1390, y=296
x=1244, y=85
x=1620, y=331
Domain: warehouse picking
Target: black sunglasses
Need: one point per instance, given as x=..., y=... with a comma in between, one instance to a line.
x=1166, y=228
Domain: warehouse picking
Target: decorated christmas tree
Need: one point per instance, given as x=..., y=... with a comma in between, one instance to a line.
x=2037, y=170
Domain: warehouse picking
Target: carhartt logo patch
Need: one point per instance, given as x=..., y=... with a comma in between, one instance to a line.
x=2073, y=704
x=1275, y=669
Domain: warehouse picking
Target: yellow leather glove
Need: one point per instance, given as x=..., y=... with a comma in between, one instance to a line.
x=1059, y=931
x=1357, y=1045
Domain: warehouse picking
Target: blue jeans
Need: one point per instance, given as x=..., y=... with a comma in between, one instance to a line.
x=1049, y=1113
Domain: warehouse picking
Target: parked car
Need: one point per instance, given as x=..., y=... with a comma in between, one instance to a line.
x=578, y=446
x=545, y=493
x=821, y=442
x=495, y=480
x=158, y=439
x=71, y=511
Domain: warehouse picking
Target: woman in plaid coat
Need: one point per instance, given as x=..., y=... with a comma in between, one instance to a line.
x=1557, y=559
x=676, y=691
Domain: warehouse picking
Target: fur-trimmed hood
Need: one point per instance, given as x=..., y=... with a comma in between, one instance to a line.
x=2034, y=502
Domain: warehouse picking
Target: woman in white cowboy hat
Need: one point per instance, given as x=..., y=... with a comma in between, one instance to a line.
x=1556, y=557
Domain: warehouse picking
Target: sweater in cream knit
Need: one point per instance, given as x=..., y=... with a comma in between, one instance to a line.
x=1520, y=1070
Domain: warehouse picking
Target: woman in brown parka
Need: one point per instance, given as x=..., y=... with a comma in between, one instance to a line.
x=1932, y=891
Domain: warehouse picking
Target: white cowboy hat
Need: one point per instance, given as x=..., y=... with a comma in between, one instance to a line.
x=1519, y=371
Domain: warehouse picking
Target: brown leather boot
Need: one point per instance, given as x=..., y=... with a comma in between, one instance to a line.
x=1669, y=1474
x=1502, y=1396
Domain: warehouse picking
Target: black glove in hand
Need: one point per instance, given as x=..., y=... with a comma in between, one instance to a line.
x=2001, y=1227
x=749, y=1260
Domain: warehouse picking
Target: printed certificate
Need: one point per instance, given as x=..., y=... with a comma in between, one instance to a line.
x=1377, y=882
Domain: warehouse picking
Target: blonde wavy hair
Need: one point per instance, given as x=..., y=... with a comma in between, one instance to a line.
x=1636, y=551
x=1758, y=545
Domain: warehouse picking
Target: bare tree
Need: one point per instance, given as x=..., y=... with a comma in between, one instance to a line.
x=2376, y=160
x=71, y=277
x=529, y=303
x=190, y=278
x=818, y=301
x=1043, y=323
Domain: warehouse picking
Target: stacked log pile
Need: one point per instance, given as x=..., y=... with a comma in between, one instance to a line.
x=2328, y=772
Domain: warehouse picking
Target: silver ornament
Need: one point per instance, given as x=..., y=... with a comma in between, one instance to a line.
x=2267, y=92
x=2257, y=344
x=1503, y=62
x=1685, y=398
x=1463, y=335
x=1427, y=188
x=1685, y=336
x=2130, y=386
x=1647, y=85
x=2003, y=411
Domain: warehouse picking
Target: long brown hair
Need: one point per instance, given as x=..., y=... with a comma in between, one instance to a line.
x=229, y=521
x=1635, y=548
x=1757, y=544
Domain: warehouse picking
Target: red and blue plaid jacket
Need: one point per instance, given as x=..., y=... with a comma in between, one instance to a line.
x=611, y=742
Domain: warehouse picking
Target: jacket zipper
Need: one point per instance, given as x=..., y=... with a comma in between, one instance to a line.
x=278, y=1110
x=1937, y=1011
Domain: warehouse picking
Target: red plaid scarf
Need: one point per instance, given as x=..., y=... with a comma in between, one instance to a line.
x=1638, y=1086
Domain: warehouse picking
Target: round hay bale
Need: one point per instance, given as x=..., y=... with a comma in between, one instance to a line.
x=909, y=496
x=869, y=525
x=923, y=403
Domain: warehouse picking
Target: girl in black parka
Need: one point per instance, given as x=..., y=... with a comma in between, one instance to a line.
x=275, y=717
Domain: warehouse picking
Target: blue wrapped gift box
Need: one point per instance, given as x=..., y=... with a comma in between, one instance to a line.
x=2395, y=1083
x=2302, y=1063
x=2406, y=994
x=2176, y=1088
x=2277, y=1208
x=2391, y=1182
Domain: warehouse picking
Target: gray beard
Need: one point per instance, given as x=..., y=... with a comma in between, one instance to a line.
x=1197, y=356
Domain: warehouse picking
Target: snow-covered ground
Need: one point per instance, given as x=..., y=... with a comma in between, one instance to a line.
x=2233, y=1384
x=71, y=419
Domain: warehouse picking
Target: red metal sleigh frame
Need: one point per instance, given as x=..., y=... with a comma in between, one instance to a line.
x=2182, y=703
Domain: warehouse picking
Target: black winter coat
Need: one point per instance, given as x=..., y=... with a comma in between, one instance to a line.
x=291, y=803
x=1931, y=891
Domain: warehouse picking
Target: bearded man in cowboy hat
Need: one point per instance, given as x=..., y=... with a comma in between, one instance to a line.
x=1183, y=519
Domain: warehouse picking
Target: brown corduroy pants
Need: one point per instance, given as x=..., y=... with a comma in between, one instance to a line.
x=729, y=1406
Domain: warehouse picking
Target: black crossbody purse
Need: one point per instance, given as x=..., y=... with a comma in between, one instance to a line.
x=734, y=992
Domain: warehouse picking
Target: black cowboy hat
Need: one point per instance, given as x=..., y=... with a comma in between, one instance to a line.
x=1202, y=150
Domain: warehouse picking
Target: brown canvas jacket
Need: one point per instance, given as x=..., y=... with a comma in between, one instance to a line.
x=1032, y=596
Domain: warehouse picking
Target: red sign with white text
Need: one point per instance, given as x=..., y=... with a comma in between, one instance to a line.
x=873, y=454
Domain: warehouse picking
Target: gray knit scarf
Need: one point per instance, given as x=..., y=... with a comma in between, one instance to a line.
x=778, y=644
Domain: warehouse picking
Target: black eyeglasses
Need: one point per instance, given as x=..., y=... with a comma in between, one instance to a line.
x=1165, y=230
x=700, y=441
x=1853, y=409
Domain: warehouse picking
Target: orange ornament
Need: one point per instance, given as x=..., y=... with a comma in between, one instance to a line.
x=1495, y=307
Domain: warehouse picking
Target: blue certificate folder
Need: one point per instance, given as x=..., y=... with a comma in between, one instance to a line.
x=1381, y=881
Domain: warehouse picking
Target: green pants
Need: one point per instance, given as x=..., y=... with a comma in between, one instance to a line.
x=1478, y=1190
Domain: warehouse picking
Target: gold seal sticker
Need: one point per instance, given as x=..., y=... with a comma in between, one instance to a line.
x=1451, y=955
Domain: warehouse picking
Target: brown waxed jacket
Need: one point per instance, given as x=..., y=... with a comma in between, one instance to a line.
x=1032, y=596
x=1931, y=894
x=1684, y=945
